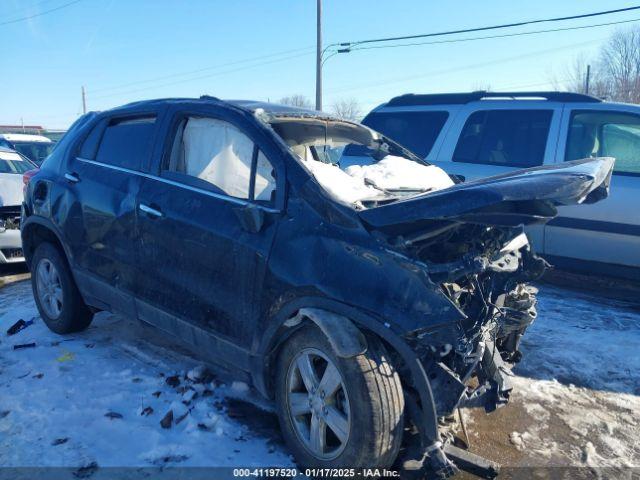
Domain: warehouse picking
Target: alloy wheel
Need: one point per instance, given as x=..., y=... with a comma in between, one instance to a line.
x=49, y=288
x=318, y=404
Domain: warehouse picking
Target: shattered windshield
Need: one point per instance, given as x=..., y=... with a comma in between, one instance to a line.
x=382, y=171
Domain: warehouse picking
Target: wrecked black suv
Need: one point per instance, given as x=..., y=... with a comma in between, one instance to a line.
x=370, y=299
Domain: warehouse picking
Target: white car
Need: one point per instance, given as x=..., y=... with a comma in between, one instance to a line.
x=35, y=147
x=13, y=166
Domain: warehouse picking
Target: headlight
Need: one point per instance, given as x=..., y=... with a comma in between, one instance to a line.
x=3, y=226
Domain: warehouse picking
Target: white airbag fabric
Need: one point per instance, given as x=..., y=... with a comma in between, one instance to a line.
x=219, y=153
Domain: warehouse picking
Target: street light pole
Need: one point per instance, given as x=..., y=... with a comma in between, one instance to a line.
x=319, y=56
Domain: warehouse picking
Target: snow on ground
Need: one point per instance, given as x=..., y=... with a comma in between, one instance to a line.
x=576, y=400
x=99, y=396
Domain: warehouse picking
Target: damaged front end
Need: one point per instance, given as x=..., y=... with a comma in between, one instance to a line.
x=484, y=272
x=469, y=239
x=488, y=285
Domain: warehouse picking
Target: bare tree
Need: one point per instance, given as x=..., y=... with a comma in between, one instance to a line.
x=297, y=100
x=481, y=87
x=620, y=65
x=614, y=74
x=347, y=109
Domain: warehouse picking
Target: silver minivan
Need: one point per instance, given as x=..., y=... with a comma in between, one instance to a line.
x=482, y=134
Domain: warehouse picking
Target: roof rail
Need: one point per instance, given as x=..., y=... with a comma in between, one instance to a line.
x=453, y=98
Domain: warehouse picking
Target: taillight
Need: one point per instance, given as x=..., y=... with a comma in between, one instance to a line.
x=26, y=178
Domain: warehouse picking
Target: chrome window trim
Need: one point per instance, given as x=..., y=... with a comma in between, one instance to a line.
x=234, y=200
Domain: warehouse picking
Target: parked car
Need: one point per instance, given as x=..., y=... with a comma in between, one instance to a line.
x=35, y=147
x=345, y=294
x=481, y=134
x=12, y=168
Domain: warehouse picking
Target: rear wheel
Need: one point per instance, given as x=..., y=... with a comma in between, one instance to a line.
x=57, y=297
x=338, y=412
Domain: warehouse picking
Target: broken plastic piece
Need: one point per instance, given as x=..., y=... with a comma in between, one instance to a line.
x=18, y=326
x=167, y=420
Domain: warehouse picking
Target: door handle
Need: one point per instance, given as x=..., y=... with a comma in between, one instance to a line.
x=72, y=177
x=150, y=211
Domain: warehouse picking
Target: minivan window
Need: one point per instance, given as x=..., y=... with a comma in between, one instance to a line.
x=218, y=156
x=513, y=138
x=127, y=142
x=416, y=131
x=605, y=134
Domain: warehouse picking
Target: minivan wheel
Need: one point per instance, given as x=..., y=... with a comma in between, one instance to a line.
x=338, y=412
x=57, y=297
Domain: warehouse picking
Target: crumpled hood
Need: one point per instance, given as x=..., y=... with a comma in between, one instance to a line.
x=10, y=190
x=517, y=198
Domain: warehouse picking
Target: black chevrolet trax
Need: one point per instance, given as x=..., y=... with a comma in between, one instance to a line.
x=369, y=294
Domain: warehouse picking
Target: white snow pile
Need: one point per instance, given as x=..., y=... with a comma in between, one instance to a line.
x=98, y=398
x=342, y=186
x=397, y=173
x=357, y=183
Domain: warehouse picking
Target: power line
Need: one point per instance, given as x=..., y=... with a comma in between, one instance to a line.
x=488, y=37
x=492, y=27
x=45, y=12
x=30, y=9
x=204, y=69
x=462, y=68
x=202, y=76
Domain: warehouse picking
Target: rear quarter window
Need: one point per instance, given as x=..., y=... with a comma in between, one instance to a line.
x=416, y=131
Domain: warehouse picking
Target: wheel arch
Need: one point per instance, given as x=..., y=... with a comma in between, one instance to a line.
x=281, y=327
x=36, y=230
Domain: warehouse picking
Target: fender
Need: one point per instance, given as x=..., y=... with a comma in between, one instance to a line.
x=274, y=335
x=34, y=220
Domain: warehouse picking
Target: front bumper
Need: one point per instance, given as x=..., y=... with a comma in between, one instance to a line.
x=11, y=247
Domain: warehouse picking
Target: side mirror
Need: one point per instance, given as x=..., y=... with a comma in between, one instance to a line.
x=251, y=217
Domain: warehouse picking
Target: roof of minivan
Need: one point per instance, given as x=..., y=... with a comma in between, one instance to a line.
x=412, y=99
x=23, y=137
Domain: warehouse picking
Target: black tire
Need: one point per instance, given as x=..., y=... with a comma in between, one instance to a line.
x=375, y=398
x=74, y=315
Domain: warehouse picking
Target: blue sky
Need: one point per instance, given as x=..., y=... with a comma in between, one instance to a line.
x=124, y=50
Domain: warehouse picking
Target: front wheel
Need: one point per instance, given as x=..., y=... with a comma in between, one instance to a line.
x=338, y=412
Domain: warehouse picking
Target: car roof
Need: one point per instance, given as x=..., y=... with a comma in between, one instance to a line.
x=252, y=106
x=23, y=137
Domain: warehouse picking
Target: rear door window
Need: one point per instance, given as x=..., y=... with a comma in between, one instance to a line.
x=605, y=134
x=126, y=142
x=416, y=131
x=511, y=138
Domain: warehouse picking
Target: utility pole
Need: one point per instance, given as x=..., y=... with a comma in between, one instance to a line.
x=84, y=101
x=586, y=80
x=319, y=56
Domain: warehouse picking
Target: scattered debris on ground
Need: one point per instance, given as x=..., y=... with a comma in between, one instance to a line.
x=575, y=401
x=19, y=326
